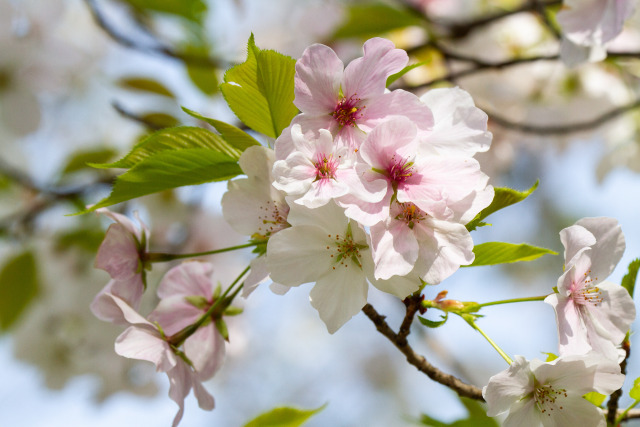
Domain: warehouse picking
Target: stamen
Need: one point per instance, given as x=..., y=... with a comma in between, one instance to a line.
x=410, y=213
x=547, y=398
x=347, y=111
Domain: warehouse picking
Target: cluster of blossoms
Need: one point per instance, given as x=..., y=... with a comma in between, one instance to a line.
x=593, y=318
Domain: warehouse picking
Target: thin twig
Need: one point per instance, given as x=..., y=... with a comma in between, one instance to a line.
x=136, y=118
x=460, y=387
x=197, y=60
x=612, y=405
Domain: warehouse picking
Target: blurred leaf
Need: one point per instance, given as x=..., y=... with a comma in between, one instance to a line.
x=635, y=390
x=477, y=417
x=170, y=169
x=503, y=197
x=393, y=77
x=550, y=357
x=629, y=279
x=237, y=138
x=81, y=159
x=160, y=120
x=172, y=139
x=365, y=20
x=190, y=9
x=260, y=90
x=18, y=286
x=433, y=324
x=146, y=85
x=202, y=76
x=284, y=417
x=595, y=398
x=86, y=238
x=492, y=253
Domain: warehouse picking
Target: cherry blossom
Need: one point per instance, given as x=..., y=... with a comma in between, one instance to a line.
x=592, y=314
x=535, y=393
x=144, y=341
x=589, y=25
x=253, y=207
x=349, y=102
x=120, y=255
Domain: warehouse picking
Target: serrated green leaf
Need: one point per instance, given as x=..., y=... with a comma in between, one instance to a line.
x=635, y=390
x=260, y=90
x=365, y=20
x=477, y=417
x=284, y=417
x=503, y=197
x=393, y=77
x=595, y=398
x=172, y=139
x=190, y=9
x=18, y=286
x=629, y=279
x=237, y=138
x=170, y=169
x=432, y=323
x=145, y=84
x=81, y=159
x=492, y=253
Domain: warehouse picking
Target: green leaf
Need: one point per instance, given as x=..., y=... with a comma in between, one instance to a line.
x=170, y=169
x=595, y=398
x=190, y=9
x=433, y=324
x=503, y=197
x=492, y=253
x=283, y=417
x=146, y=85
x=393, y=77
x=365, y=20
x=202, y=76
x=635, y=390
x=477, y=417
x=160, y=120
x=173, y=139
x=550, y=357
x=85, y=238
x=81, y=159
x=629, y=279
x=237, y=138
x=18, y=286
x=260, y=90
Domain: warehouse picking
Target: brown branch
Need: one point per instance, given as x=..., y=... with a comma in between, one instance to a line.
x=121, y=39
x=612, y=405
x=413, y=305
x=563, y=129
x=460, y=387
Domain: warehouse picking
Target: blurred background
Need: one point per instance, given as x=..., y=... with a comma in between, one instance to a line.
x=83, y=81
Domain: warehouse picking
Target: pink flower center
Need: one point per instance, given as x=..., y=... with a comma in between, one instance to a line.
x=273, y=217
x=546, y=398
x=585, y=292
x=348, y=112
x=326, y=166
x=399, y=170
x=410, y=214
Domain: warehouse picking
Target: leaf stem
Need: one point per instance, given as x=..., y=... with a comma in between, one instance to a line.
x=509, y=301
x=472, y=323
x=162, y=257
x=624, y=413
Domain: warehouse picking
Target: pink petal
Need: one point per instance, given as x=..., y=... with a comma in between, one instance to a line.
x=118, y=253
x=398, y=103
x=142, y=344
x=206, y=349
x=317, y=80
x=395, y=249
x=187, y=279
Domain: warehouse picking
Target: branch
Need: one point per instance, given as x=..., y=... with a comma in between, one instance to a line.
x=136, y=118
x=612, y=405
x=563, y=129
x=460, y=387
x=167, y=51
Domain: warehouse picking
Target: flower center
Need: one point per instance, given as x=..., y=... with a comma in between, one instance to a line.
x=410, y=214
x=548, y=398
x=273, y=217
x=326, y=167
x=585, y=292
x=344, y=249
x=400, y=170
x=347, y=111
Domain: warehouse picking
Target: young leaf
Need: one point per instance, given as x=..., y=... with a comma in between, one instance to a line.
x=237, y=138
x=393, y=77
x=18, y=286
x=477, y=417
x=81, y=159
x=629, y=279
x=170, y=169
x=146, y=85
x=503, y=197
x=160, y=120
x=260, y=90
x=173, y=139
x=367, y=20
x=492, y=253
x=635, y=390
x=202, y=76
x=283, y=417
x=433, y=324
x=190, y=9
x=595, y=398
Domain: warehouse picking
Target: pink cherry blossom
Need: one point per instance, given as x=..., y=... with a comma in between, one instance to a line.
x=352, y=101
x=144, y=341
x=120, y=255
x=536, y=394
x=592, y=314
